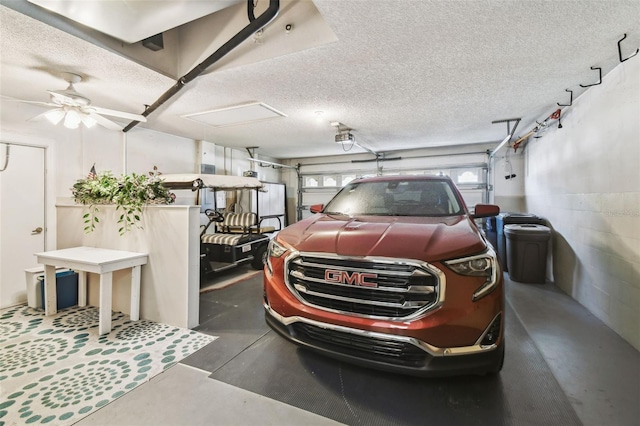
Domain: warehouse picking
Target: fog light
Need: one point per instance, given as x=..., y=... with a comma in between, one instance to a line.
x=493, y=333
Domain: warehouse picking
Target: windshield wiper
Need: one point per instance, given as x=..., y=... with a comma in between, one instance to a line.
x=337, y=214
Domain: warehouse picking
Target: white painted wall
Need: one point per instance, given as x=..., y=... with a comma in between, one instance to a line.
x=230, y=161
x=509, y=193
x=171, y=154
x=170, y=281
x=585, y=178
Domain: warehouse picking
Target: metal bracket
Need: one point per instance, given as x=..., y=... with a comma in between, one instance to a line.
x=570, y=101
x=508, y=121
x=252, y=150
x=510, y=132
x=620, y=51
x=599, y=80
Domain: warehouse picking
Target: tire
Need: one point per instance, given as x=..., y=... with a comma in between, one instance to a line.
x=259, y=257
x=498, y=367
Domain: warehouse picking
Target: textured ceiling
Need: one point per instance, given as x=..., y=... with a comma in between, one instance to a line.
x=402, y=74
x=133, y=21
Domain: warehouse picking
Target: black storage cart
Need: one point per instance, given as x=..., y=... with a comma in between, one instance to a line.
x=527, y=252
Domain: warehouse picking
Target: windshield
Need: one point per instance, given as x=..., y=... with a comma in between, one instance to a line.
x=396, y=198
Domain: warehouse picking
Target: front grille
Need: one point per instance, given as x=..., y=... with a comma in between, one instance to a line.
x=366, y=347
x=367, y=287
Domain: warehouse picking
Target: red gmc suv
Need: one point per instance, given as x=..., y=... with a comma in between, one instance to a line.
x=394, y=274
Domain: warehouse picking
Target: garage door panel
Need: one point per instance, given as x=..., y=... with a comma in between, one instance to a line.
x=468, y=171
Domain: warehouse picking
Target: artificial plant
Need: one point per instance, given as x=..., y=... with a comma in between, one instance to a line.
x=130, y=193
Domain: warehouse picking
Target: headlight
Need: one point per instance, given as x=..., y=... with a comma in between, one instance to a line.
x=482, y=265
x=275, y=249
x=479, y=267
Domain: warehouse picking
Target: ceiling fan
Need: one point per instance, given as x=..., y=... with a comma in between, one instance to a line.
x=74, y=108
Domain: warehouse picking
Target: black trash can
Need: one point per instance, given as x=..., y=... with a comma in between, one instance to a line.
x=508, y=218
x=527, y=252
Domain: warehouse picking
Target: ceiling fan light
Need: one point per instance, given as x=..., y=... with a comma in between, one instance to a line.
x=88, y=121
x=54, y=116
x=72, y=120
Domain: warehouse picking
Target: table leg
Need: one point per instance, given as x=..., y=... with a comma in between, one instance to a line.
x=135, y=293
x=106, y=280
x=50, y=297
x=82, y=288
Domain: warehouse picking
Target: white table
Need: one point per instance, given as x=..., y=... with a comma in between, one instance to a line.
x=97, y=260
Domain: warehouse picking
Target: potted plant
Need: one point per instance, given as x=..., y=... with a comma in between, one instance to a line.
x=130, y=193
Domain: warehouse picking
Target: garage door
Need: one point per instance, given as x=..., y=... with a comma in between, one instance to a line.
x=316, y=185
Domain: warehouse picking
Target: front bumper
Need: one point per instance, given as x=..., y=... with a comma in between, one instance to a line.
x=388, y=352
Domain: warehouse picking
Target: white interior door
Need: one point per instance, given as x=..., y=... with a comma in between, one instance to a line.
x=22, y=218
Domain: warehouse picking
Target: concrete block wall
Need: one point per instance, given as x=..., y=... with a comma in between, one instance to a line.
x=585, y=179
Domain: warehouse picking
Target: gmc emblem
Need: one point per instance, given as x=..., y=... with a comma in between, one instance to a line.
x=353, y=278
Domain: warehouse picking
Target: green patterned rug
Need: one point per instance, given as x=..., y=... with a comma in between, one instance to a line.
x=56, y=370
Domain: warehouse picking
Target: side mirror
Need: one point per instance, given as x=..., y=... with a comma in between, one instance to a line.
x=485, y=210
x=316, y=208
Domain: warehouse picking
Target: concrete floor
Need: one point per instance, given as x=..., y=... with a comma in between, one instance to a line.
x=597, y=374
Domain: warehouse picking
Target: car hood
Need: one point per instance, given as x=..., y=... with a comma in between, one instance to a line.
x=423, y=238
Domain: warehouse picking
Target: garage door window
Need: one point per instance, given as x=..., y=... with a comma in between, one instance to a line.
x=468, y=176
x=329, y=181
x=347, y=178
x=311, y=182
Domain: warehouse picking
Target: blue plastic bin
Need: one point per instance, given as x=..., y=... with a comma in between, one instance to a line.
x=66, y=289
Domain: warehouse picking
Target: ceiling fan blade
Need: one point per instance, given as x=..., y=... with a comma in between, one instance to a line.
x=49, y=104
x=39, y=117
x=121, y=114
x=105, y=122
x=61, y=97
x=53, y=115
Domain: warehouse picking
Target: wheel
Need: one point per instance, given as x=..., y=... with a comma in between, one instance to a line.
x=259, y=257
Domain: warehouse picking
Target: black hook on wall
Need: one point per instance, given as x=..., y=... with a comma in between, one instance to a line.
x=570, y=102
x=620, y=51
x=599, y=80
x=559, y=119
